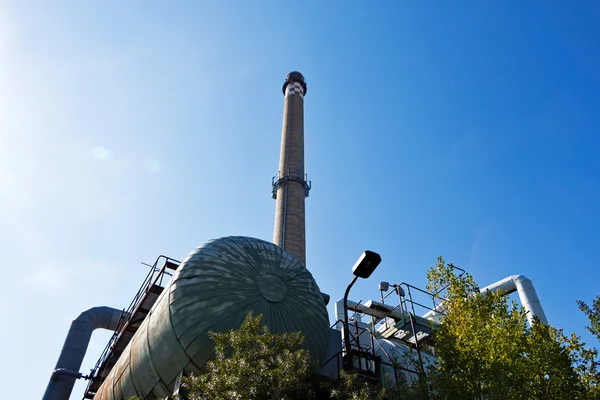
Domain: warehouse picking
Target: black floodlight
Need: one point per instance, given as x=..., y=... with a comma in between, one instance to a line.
x=366, y=264
x=384, y=286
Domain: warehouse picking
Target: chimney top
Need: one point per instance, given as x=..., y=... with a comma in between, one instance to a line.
x=294, y=76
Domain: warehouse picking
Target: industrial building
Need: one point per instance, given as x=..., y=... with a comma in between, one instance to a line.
x=163, y=333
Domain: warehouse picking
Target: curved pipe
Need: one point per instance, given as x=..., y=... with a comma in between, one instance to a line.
x=71, y=356
x=527, y=295
x=514, y=283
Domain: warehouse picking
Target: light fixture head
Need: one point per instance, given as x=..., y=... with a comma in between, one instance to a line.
x=366, y=264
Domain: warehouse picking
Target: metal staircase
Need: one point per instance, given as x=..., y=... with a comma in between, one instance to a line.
x=140, y=306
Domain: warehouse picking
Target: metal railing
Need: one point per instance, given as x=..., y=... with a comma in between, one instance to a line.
x=363, y=357
x=155, y=277
x=363, y=354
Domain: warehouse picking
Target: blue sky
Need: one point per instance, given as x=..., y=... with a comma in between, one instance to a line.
x=133, y=129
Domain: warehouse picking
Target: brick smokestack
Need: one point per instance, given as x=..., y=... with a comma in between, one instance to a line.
x=290, y=186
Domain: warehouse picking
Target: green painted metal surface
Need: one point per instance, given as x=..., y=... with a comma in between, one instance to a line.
x=214, y=288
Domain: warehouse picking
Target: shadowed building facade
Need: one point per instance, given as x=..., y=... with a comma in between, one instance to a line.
x=290, y=186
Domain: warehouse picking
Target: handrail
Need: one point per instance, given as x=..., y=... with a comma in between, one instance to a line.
x=403, y=300
x=149, y=281
x=358, y=352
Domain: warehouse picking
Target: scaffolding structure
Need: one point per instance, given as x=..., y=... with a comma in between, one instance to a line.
x=390, y=342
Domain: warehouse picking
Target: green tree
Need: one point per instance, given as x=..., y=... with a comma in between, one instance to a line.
x=587, y=362
x=487, y=351
x=593, y=314
x=352, y=387
x=252, y=363
x=485, y=348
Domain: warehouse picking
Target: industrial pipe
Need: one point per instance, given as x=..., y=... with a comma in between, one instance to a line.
x=527, y=295
x=515, y=283
x=372, y=308
x=71, y=356
x=356, y=307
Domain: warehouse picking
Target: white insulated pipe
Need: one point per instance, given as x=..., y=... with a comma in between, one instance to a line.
x=372, y=308
x=354, y=306
x=514, y=283
x=529, y=299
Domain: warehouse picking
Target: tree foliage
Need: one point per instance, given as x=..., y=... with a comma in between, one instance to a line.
x=588, y=363
x=351, y=387
x=593, y=314
x=252, y=363
x=486, y=350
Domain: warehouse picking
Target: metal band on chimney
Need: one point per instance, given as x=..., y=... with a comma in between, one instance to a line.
x=294, y=88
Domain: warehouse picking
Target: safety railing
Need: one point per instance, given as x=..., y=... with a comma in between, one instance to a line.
x=364, y=357
x=155, y=277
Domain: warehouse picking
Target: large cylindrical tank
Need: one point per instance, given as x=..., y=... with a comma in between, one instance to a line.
x=212, y=290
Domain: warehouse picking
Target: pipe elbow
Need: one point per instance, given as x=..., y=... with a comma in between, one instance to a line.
x=101, y=317
x=519, y=278
x=75, y=346
x=529, y=299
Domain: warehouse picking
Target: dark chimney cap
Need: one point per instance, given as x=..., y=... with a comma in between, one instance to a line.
x=294, y=76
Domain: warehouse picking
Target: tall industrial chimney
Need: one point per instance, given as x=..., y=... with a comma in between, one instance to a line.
x=290, y=186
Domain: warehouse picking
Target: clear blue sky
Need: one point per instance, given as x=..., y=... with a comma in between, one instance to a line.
x=133, y=129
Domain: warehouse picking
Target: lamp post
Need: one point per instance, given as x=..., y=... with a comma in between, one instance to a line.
x=364, y=267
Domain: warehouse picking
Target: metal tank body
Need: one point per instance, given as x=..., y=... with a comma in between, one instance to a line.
x=213, y=289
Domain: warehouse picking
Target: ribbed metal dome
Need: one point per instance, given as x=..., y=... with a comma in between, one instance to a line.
x=224, y=279
x=212, y=290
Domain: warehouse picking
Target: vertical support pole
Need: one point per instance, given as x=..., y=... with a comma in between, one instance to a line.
x=348, y=365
